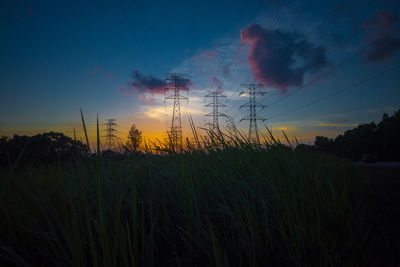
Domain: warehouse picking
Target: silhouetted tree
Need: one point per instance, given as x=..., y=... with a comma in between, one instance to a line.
x=134, y=139
x=323, y=144
x=304, y=147
x=39, y=149
x=379, y=140
x=388, y=132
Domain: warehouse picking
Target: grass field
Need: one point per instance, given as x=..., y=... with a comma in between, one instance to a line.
x=232, y=205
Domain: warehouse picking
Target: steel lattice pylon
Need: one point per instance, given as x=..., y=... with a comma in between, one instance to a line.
x=252, y=90
x=176, y=83
x=110, y=130
x=215, y=94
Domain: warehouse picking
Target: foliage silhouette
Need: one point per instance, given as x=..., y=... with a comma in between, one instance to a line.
x=39, y=149
x=134, y=139
x=379, y=140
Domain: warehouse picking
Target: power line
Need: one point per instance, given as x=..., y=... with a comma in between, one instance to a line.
x=278, y=15
x=307, y=4
x=321, y=22
x=354, y=12
x=315, y=63
x=348, y=60
x=328, y=17
x=274, y=21
x=345, y=62
x=338, y=92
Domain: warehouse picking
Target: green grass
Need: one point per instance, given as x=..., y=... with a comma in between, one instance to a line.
x=223, y=203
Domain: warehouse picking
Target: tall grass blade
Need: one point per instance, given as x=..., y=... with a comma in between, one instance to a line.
x=74, y=135
x=194, y=131
x=84, y=129
x=98, y=136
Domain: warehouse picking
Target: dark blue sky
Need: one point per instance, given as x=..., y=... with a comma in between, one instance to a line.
x=57, y=57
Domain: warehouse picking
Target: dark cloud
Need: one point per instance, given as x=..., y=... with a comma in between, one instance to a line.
x=143, y=85
x=146, y=84
x=383, y=35
x=383, y=48
x=281, y=59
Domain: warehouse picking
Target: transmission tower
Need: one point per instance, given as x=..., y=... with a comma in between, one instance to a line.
x=252, y=90
x=176, y=83
x=110, y=130
x=215, y=94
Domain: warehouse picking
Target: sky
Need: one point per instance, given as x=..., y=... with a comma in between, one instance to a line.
x=326, y=66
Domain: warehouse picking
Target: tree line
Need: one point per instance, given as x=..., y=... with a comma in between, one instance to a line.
x=51, y=147
x=379, y=140
x=43, y=148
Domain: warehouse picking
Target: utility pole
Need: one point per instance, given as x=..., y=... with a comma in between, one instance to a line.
x=110, y=130
x=215, y=94
x=252, y=90
x=176, y=83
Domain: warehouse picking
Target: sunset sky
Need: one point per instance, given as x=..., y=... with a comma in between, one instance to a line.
x=326, y=65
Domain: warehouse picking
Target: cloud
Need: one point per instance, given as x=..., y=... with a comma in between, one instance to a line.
x=281, y=59
x=146, y=83
x=146, y=86
x=164, y=112
x=215, y=83
x=383, y=48
x=204, y=58
x=323, y=124
x=156, y=112
x=383, y=35
x=224, y=66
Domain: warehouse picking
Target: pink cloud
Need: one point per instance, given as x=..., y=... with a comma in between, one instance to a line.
x=281, y=59
x=145, y=98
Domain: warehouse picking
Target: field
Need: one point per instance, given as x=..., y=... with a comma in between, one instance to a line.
x=236, y=204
